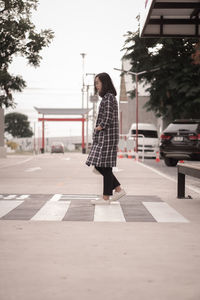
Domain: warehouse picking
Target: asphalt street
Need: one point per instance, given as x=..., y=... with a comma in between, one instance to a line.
x=56, y=245
x=172, y=172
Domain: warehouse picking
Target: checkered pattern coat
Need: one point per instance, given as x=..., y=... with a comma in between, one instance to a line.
x=103, y=152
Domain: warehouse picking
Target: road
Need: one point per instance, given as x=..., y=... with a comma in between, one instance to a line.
x=55, y=173
x=172, y=172
x=56, y=245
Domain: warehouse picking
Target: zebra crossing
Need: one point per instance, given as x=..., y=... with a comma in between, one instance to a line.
x=77, y=207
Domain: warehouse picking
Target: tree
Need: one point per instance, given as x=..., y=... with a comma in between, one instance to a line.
x=18, y=37
x=175, y=87
x=18, y=125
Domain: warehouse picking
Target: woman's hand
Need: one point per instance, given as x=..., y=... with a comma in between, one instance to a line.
x=98, y=128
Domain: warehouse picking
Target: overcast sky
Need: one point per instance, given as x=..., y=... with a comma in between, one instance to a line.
x=93, y=27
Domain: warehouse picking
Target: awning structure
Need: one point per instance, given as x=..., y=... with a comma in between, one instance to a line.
x=171, y=18
x=62, y=111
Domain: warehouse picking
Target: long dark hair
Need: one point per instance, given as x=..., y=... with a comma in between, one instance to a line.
x=107, y=84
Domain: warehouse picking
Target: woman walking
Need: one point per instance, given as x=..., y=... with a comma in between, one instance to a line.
x=103, y=153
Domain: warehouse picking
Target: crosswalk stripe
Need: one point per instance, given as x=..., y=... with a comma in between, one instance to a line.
x=33, y=169
x=7, y=206
x=109, y=213
x=78, y=196
x=55, y=198
x=22, y=197
x=10, y=197
x=162, y=212
x=52, y=211
x=77, y=207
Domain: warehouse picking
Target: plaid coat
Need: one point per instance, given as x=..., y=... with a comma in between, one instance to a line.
x=103, y=152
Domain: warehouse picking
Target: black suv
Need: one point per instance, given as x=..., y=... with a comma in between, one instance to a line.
x=180, y=140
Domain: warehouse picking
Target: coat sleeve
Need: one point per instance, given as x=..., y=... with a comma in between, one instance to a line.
x=108, y=113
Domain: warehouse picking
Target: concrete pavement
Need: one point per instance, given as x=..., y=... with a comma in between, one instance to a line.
x=98, y=260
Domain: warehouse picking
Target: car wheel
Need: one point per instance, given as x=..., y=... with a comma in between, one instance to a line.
x=170, y=162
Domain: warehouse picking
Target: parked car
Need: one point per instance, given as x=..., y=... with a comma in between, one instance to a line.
x=57, y=147
x=180, y=141
x=149, y=139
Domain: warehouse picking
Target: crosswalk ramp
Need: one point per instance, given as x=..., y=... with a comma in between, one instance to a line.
x=77, y=207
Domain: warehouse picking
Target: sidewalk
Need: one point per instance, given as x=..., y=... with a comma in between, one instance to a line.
x=105, y=260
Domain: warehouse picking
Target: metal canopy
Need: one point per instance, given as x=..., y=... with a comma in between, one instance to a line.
x=179, y=18
x=62, y=111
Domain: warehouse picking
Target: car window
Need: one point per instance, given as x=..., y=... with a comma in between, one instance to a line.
x=184, y=127
x=146, y=133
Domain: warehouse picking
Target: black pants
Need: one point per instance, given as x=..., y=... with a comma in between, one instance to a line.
x=110, y=182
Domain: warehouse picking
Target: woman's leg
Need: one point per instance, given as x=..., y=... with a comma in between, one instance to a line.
x=110, y=181
x=115, y=181
x=116, y=184
x=99, y=169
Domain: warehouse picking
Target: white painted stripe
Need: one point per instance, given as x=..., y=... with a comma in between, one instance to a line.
x=17, y=163
x=116, y=169
x=109, y=213
x=10, y=197
x=7, y=206
x=33, y=169
x=79, y=195
x=55, y=198
x=78, y=198
x=162, y=212
x=24, y=161
x=157, y=172
x=196, y=190
x=22, y=197
x=52, y=211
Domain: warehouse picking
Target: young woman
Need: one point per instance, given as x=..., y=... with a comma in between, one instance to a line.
x=103, y=153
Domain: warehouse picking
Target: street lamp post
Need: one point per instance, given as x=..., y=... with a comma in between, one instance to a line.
x=83, y=78
x=88, y=86
x=136, y=97
x=83, y=91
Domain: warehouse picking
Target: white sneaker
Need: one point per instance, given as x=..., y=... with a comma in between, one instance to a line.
x=118, y=195
x=100, y=201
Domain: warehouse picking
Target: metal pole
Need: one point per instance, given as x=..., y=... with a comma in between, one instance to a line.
x=38, y=146
x=83, y=78
x=43, y=135
x=83, y=143
x=120, y=122
x=93, y=116
x=94, y=105
x=87, y=120
x=136, y=77
x=34, y=139
x=83, y=90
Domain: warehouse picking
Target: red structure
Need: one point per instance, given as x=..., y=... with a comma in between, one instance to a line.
x=62, y=111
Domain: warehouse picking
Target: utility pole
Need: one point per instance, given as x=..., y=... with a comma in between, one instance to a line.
x=34, y=139
x=136, y=96
x=87, y=119
x=83, y=91
x=83, y=77
x=88, y=86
